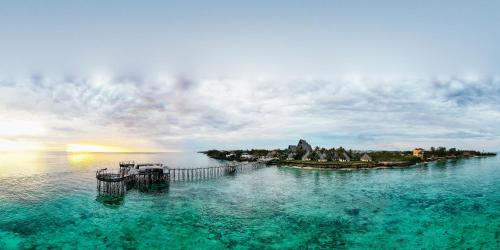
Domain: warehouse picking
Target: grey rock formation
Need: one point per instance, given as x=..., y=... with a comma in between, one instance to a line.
x=303, y=145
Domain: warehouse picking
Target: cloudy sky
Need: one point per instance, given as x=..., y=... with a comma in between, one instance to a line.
x=195, y=75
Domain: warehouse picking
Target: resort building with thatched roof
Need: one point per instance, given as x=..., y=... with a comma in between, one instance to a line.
x=365, y=157
x=322, y=157
x=344, y=157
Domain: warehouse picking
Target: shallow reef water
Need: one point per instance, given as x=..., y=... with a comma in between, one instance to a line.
x=49, y=200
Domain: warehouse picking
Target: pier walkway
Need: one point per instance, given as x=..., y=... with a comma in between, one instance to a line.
x=131, y=174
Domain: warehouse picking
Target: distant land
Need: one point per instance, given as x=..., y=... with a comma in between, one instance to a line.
x=304, y=155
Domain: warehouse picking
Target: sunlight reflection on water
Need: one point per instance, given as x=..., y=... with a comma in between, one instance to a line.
x=33, y=163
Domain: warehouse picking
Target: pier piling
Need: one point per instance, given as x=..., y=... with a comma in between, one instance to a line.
x=132, y=175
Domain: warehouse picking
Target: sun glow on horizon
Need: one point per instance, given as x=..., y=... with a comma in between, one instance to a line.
x=95, y=148
x=6, y=145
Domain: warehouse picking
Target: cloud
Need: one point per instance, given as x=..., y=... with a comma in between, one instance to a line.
x=239, y=75
x=188, y=113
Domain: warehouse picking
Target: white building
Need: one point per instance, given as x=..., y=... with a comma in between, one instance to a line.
x=246, y=156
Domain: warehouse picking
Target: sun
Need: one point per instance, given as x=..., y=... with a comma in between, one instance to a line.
x=95, y=148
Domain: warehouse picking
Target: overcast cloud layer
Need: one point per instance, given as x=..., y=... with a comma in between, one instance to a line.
x=187, y=114
x=192, y=76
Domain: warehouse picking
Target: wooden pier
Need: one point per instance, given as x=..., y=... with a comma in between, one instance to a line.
x=131, y=175
x=110, y=183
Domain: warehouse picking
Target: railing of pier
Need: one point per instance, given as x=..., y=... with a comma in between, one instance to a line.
x=193, y=174
x=117, y=182
x=108, y=175
x=111, y=183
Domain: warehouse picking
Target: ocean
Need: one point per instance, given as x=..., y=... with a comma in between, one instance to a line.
x=49, y=200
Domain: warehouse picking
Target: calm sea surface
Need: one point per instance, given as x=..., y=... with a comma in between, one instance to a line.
x=49, y=200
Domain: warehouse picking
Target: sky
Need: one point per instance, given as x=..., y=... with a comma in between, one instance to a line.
x=198, y=75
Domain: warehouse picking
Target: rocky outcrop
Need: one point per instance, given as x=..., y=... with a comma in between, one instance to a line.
x=305, y=148
x=303, y=145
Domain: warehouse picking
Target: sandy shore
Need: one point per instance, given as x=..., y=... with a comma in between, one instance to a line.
x=365, y=166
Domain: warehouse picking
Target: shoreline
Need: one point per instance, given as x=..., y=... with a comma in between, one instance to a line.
x=365, y=166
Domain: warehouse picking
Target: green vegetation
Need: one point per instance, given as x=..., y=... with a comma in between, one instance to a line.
x=393, y=156
x=322, y=162
x=440, y=152
x=236, y=155
x=216, y=154
x=339, y=155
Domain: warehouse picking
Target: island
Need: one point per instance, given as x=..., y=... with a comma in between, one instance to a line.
x=305, y=156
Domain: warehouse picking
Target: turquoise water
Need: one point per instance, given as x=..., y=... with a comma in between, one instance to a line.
x=49, y=201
